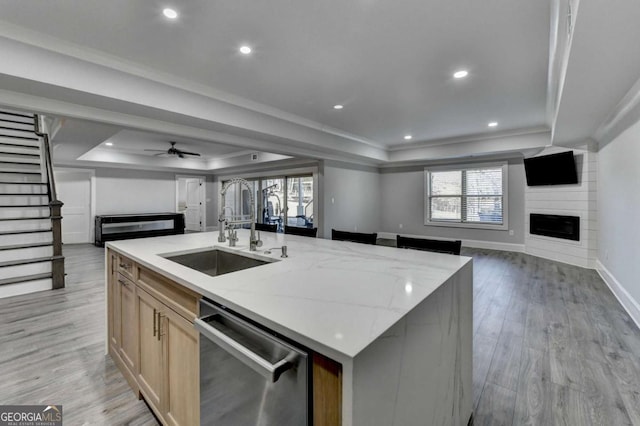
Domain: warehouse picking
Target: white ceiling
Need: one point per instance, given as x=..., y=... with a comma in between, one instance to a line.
x=118, y=69
x=389, y=63
x=137, y=142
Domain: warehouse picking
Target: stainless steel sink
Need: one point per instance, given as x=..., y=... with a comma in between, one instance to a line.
x=216, y=262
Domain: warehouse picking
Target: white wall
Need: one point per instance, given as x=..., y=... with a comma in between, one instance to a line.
x=403, y=195
x=121, y=191
x=618, y=207
x=352, y=198
x=569, y=200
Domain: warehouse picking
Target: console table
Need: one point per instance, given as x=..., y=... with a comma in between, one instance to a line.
x=127, y=226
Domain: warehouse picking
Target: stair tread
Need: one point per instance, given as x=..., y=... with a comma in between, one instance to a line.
x=25, y=231
x=27, y=162
x=25, y=218
x=16, y=114
x=28, y=245
x=26, y=261
x=6, y=120
x=22, y=194
x=30, y=138
x=22, y=183
x=17, y=144
x=25, y=278
x=13, y=129
x=24, y=206
x=21, y=172
x=23, y=154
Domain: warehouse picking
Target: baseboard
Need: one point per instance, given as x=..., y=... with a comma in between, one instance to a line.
x=580, y=263
x=489, y=245
x=493, y=245
x=628, y=303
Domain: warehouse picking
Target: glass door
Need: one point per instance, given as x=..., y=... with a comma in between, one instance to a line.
x=273, y=202
x=299, y=205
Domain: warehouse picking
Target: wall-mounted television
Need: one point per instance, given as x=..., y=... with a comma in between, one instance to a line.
x=554, y=169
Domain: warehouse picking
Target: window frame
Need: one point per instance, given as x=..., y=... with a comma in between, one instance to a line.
x=474, y=225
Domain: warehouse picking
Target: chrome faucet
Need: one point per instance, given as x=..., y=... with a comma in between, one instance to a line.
x=233, y=237
x=254, y=241
x=224, y=224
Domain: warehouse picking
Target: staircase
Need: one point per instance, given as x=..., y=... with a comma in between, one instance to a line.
x=30, y=214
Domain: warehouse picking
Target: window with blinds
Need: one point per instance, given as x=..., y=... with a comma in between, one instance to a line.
x=473, y=195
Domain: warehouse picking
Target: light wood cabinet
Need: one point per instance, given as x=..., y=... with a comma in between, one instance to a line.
x=182, y=359
x=127, y=320
x=121, y=317
x=152, y=340
x=327, y=392
x=169, y=358
x=113, y=316
x=150, y=372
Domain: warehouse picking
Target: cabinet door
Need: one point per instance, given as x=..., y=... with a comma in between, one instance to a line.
x=182, y=372
x=113, y=303
x=150, y=371
x=128, y=330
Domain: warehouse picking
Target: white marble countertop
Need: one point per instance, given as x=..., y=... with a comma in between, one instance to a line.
x=333, y=297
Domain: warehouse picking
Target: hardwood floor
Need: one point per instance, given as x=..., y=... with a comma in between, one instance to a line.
x=552, y=346
x=52, y=349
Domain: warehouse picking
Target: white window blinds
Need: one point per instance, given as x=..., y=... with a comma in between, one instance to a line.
x=472, y=195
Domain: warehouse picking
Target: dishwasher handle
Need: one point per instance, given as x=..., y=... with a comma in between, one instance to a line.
x=251, y=359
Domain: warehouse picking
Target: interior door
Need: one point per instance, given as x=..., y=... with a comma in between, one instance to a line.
x=193, y=214
x=74, y=190
x=190, y=202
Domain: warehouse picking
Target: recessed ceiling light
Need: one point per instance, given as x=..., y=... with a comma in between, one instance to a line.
x=492, y=124
x=245, y=50
x=460, y=74
x=109, y=144
x=408, y=137
x=338, y=107
x=170, y=13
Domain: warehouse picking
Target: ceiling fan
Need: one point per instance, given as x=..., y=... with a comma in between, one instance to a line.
x=173, y=152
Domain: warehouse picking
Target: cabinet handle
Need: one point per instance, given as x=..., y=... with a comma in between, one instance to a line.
x=159, y=325
x=124, y=266
x=124, y=283
x=154, y=322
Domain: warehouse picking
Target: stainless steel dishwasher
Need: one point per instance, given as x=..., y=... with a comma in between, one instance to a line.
x=249, y=376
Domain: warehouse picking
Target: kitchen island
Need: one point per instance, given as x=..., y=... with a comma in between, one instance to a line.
x=396, y=322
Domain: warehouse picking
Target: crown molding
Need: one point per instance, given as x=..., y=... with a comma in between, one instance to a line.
x=625, y=114
x=470, y=138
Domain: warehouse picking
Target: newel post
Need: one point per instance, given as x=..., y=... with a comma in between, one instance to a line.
x=57, y=262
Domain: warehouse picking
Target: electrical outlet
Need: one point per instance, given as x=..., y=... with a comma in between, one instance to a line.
x=400, y=226
x=333, y=200
x=511, y=232
x=355, y=228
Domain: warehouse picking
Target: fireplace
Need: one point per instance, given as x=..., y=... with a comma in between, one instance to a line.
x=549, y=225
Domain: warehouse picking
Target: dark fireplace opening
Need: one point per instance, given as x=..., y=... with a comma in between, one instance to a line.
x=549, y=225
